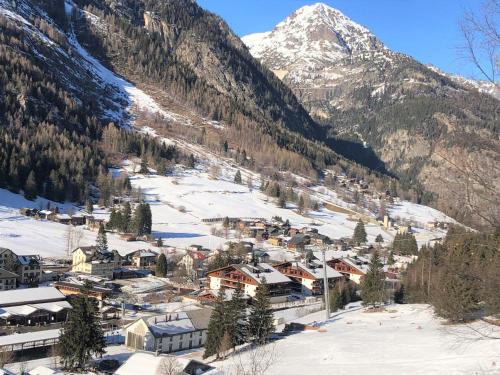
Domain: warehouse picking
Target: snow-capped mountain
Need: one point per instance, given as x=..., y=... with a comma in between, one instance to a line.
x=485, y=87
x=310, y=40
x=313, y=35
x=360, y=90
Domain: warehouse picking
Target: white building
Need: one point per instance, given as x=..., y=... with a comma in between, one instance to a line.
x=170, y=332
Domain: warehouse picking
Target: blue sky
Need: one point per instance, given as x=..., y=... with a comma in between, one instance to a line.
x=424, y=29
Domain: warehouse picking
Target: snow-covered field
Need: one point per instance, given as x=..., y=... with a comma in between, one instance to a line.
x=179, y=202
x=406, y=339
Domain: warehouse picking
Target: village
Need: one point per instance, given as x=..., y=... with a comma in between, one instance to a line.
x=159, y=298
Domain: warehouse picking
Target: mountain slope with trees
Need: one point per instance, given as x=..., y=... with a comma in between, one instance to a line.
x=57, y=104
x=440, y=137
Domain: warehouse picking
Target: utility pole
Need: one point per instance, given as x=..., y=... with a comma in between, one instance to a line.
x=325, y=284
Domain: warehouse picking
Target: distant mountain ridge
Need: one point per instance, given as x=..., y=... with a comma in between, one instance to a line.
x=422, y=123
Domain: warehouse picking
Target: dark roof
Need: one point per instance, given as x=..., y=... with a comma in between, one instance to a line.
x=195, y=367
x=200, y=318
x=6, y=274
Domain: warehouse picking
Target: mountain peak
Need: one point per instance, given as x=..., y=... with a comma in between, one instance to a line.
x=312, y=34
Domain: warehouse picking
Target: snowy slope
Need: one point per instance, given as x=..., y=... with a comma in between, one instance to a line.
x=25, y=235
x=315, y=35
x=406, y=339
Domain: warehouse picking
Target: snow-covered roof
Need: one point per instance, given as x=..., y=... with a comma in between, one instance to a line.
x=63, y=217
x=42, y=370
x=141, y=363
x=316, y=270
x=25, y=310
x=178, y=322
x=30, y=295
x=21, y=338
x=264, y=270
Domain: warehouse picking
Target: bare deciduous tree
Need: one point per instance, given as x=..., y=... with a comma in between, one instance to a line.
x=170, y=366
x=481, y=35
x=257, y=360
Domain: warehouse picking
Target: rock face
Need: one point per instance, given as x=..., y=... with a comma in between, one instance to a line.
x=419, y=121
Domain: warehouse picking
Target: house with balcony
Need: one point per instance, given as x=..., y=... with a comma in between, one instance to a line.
x=353, y=268
x=308, y=276
x=250, y=277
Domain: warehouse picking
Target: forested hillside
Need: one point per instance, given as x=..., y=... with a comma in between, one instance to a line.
x=58, y=97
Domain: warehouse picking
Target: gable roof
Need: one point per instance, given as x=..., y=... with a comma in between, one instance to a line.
x=314, y=269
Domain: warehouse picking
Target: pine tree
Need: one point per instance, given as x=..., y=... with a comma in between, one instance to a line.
x=216, y=327
x=282, y=201
x=456, y=300
x=237, y=177
x=89, y=207
x=390, y=259
x=237, y=323
x=260, y=323
x=142, y=219
x=335, y=299
x=82, y=336
x=372, y=285
x=127, y=217
x=30, y=188
x=379, y=238
x=161, y=266
x=102, y=240
x=144, y=167
x=359, y=235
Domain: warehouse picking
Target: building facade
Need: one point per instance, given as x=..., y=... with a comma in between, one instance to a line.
x=93, y=261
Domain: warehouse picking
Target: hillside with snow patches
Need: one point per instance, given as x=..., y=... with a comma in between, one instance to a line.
x=181, y=200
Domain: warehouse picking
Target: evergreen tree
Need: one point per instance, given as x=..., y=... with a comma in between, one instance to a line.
x=82, y=336
x=390, y=259
x=127, y=217
x=89, y=206
x=336, y=301
x=30, y=188
x=379, y=238
x=237, y=177
x=405, y=244
x=260, y=323
x=216, y=327
x=161, y=266
x=142, y=219
x=282, y=201
x=144, y=167
x=457, y=299
x=237, y=323
x=372, y=285
x=102, y=240
x=359, y=235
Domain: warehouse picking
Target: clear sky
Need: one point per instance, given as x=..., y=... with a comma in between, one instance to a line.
x=425, y=29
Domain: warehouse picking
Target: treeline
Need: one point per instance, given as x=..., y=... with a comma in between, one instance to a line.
x=49, y=144
x=231, y=324
x=122, y=220
x=459, y=277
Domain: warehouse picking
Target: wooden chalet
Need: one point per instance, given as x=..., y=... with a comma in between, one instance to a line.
x=308, y=277
x=250, y=276
x=352, y=268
